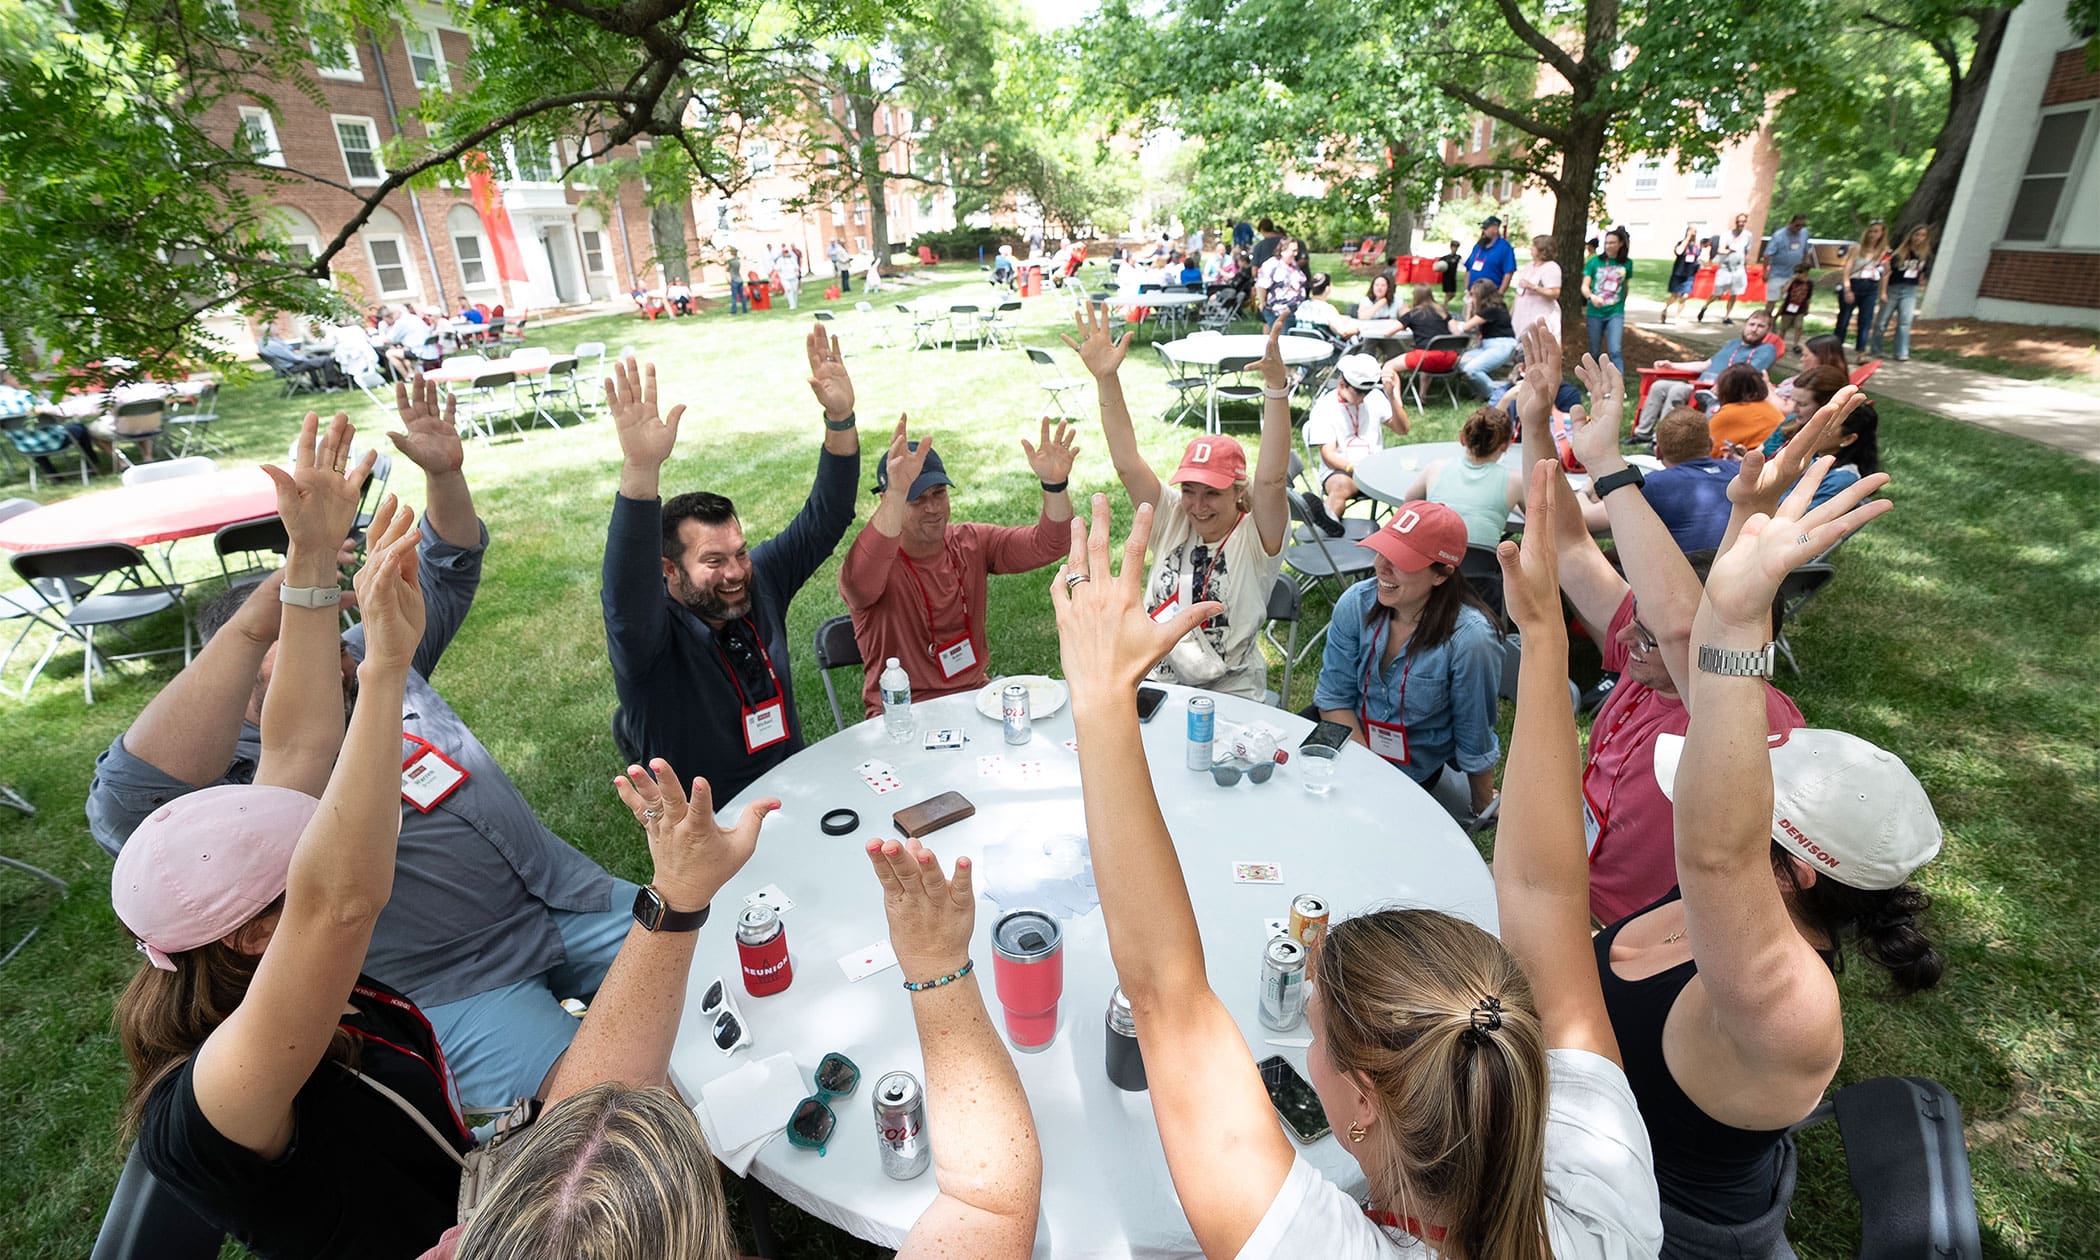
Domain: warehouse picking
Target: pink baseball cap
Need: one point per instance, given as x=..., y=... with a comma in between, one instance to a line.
x=1419, y=535
x=206, y=863
x=1212, y=461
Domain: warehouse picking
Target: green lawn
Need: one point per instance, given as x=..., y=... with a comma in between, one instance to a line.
x=1960, y=633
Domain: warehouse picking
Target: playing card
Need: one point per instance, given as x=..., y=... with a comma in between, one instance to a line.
x=947, y=737
x=880, y=776
x=990, y=765
x=862, y=963
x=1028, y=771
x=771, y=896
x=1256, y=873
x=1072, y=745
x=1273, y=928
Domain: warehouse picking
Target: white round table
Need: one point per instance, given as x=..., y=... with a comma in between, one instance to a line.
x=1156, y=299
x=1375, y=840
x=1207, y=350
x=1387, y=474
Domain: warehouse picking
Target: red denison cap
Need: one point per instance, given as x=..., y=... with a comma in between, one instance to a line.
x=1212, y=461
x=1419, y=535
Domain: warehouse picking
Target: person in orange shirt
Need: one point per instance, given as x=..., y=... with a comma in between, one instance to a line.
x=1746, y=416
x=916, y=583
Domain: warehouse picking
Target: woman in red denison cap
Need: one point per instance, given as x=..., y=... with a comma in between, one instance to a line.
x=1220, y=536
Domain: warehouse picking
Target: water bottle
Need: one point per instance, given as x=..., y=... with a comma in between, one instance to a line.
x=896, y=702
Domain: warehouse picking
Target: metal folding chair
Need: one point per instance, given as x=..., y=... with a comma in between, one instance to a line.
x=31, y=439
x=1238, y=391
x=923, y=323
x=1188, y=390
x=870, y=318
x=1798, y=588
x=482, y=407
x=1055, y=382
x=836, y=649
x=254, y=542
x=135, y=423
x=992, y=325
x=1324, y=562
x=1286, y=605
x=130, y=597
x=1909, y=1167
x=189, y=422
x=1449, y=377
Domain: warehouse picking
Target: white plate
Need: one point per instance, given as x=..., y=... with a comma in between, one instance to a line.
x=1046, y=695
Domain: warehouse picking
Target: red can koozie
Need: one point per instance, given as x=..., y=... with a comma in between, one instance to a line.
x=762, y=947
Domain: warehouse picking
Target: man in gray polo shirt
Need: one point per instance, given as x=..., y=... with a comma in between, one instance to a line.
x=494, y=918
x=1786, y=253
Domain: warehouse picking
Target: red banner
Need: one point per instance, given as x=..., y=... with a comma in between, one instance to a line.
x=495, y=220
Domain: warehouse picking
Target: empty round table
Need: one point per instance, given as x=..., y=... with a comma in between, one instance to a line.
x=1375, y=840
x=155, y=512
x=1208, y=350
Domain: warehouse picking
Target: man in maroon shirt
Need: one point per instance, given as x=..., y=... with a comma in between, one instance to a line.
x=916, y=582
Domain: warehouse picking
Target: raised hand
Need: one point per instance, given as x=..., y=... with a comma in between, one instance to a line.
x=1602, y=381
x=318, y=498
x=428, y=436
x=1052, y=459
x=828, y=378
x=1760, y=483
x=1104, y=637
x=903, y=462
x=931, y=915
x=389, y=596
x=1541, y=375
x=1744, y=578
x=1101, y=352
x=630, y=395
x=692, y=855
x=1273, y=372
x=1531, y=573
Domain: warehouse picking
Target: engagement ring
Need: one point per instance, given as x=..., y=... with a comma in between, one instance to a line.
x=1072, y=580
x=649, y=815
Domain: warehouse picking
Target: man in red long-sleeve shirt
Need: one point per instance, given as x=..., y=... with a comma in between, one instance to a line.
x=916, y=582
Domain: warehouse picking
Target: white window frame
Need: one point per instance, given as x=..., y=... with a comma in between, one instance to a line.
x=265, y=128
x=335, y=122
x=2072, y=177
x=583, y=241
x=1706, y=180
x=407, y=267
x=354, y=72
x=758, y=157
x=554, y=167
x=442, y=79
x=770, y=215
x=481, y=260
x=1646, y=171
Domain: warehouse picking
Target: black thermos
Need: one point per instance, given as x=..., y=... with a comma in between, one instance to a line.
x=1126, y=1065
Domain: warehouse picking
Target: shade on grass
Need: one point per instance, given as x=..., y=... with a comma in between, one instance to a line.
x=1961, y=633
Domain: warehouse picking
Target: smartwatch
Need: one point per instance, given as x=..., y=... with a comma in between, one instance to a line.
x=839, y=426
x=1737, y=663
x=310, y=596
x=1627, y=476
x=651, y=912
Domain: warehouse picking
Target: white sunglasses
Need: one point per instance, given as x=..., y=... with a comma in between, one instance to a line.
x=727, y=1028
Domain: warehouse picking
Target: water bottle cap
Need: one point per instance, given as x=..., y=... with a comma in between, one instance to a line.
x=892, y=663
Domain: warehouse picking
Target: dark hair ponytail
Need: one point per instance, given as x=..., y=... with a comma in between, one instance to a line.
x=1882, y=923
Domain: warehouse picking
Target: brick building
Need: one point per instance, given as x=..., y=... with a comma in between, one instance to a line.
x=432, y=249
x=2022, y=242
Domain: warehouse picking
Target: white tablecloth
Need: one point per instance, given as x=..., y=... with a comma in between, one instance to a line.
x=1209, y=351
x=1156, y=300
x=1377, y=839
x=1386, y=475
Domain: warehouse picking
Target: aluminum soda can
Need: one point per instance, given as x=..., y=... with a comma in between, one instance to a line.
x=900, y=1126
x=1282, y=984
x=1013, y=706
x=762, y=949
x=1203, y=731
x=1308, y=921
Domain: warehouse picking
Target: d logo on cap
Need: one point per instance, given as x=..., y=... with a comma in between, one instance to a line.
x=1405, y=522
x=1199, y=453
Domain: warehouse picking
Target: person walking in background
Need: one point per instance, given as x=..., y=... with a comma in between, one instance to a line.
x=1448, y=268
x=787, y=272
x=1787, y=254
x=1604, y=282
x=1902, y=284
x=1538, y=289
x=737, y=303
x=1731, y=262
x=839, y=266
x=1859, y=282
x=1684, y=268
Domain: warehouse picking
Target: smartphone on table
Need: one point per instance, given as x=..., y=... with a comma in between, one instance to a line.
x=1149, y=700
x=1326, y=734
x=1293, y=1097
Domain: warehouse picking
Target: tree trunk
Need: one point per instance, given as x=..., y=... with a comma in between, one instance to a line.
x=874, y=182
x=1934, y=196
x=1399, y=216
x=1571, y=216
x=667, y=232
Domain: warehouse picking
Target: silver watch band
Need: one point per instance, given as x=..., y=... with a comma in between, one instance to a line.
x=1737, y=663
x=310, y=596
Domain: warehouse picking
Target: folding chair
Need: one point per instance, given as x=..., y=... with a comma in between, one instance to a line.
x=369, y=495
x=482, y=406
x=1482, y=570
x=18, y=605
x=146, y=1221
x=190, y=422
x=992, y=325
x=836, y=649
x=590, y=355
x=1220, y=310
x=1457, y=343
x=377, y=389
x=1799, y=587
x=1285, y=605
x=969, y=316
x=1314, y=508
x=559, y=385
x=923, y=323
x=1326, y=562
x=882, y=330
x=135, y=423
x=253, y=542
x=1237, y=392
x=131, y=598
x=1188, y=390
x=50, y=441
x=1909, y=1167
x=1055, y=382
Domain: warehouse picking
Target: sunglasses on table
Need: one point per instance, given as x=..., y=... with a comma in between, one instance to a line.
x=726, y=1026
x=1228, y=772
x=811, y=1125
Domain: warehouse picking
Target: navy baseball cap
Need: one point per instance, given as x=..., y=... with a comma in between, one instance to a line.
x=1493, y=220
x=932, y=473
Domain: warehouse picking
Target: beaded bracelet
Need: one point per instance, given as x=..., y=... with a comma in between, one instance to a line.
x=921, y=986
x=1276, y=391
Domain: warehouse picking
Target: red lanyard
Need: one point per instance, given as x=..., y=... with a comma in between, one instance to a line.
x=912, y=571
x=1427, y=1233
x=441, y=1070
x=1371, y=666
x=1210, y=571
x=763, y=655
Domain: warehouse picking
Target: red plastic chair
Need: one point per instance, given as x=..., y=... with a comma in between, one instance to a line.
x=1863, y=371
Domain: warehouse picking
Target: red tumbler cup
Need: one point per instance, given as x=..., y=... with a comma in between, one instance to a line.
x=1028, y=968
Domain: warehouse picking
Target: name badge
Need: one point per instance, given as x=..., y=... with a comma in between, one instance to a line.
x=1166, y=612
x=765, y=725
x=1388, y=740
x=427, y=775
x=1592, y=819
x=957, y=657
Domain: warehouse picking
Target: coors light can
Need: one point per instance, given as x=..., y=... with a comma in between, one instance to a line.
x=1013, y=706
x=900, y=1126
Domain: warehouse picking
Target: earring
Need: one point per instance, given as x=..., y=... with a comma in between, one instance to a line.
x=1357, y=1132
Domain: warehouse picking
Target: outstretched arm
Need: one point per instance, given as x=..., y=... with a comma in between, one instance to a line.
x=1586, y=577
x=429, y=437
x=1225, y=1150
x=1542, y=877
x=1103, y=356
x=1760, y=483
x=988, y=1163
x=1272, y=463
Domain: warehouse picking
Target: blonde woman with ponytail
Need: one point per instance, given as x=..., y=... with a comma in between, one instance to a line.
x=1476, y=1082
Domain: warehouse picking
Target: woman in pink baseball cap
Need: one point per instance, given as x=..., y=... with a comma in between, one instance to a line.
x=1413, y=664
x=1221, y=536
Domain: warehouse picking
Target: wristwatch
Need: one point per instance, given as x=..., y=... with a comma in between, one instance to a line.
x=1627, y=476
x=651, y=912
x=1736, y=662
x=839, y=426
x=310, y=596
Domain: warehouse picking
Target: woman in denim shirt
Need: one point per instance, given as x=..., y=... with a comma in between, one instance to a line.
x=1413, y=663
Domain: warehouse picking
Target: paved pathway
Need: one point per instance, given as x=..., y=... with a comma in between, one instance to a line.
x=2063, y=418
